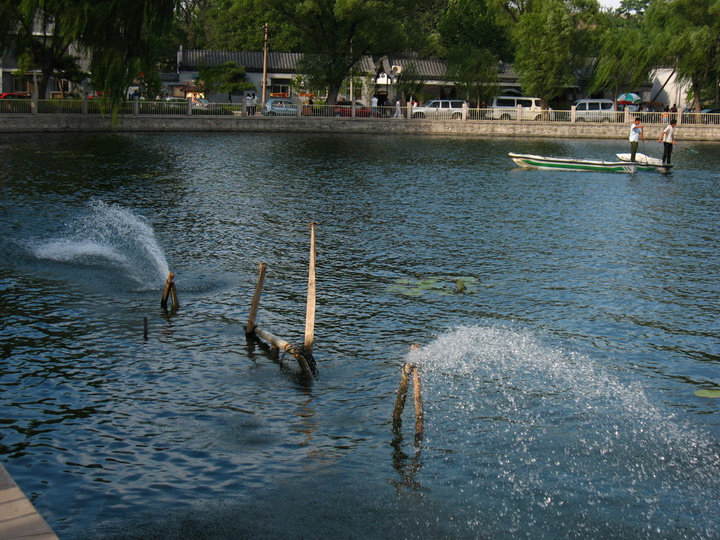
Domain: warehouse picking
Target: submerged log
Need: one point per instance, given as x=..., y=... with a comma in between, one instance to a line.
x=301, y=354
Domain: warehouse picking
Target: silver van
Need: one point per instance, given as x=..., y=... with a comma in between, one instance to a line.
x=595, y=110
x=506, y=108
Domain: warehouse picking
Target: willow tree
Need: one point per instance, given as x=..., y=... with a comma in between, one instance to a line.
x=48, y=51
x=120, y=37
x=543, y=40
x=686, y=34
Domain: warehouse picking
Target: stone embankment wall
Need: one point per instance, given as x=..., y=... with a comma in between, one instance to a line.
x=260, y=124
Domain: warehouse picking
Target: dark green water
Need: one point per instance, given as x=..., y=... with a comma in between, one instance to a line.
x=559, y=385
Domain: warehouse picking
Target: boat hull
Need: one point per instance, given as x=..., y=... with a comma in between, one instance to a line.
x=646, y=163
x=571, y=164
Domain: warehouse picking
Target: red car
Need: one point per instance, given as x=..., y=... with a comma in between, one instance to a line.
x=344, y=108
x=14, y=102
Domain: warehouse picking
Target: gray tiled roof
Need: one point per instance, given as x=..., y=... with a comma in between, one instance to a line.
x=278, y=62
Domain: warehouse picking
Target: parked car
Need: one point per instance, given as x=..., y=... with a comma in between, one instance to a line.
x=344, y=108
x=595, y=110
x=440, y=108
x=279, y=107
x=12, y=105
x=710, y=116
x=506, y=108
x=176, y=103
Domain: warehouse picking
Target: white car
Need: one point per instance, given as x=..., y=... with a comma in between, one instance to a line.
x=440, y=108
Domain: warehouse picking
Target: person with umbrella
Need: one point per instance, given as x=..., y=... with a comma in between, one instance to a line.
x=636, y=135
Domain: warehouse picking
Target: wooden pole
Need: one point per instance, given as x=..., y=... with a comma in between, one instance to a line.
x=310, y=309
x=145, y=328
x=256, y=300
x=401, y=397
x=289, y=348
x=419, y=421
x=168, y=287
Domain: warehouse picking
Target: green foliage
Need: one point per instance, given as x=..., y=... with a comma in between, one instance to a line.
x=336, y=34
x=625, y=59
x=474, y=42
x=150, y=85
x=228, y=78
x=121, y=36
x=686, y=34
x=543, y=40
x=409, y=82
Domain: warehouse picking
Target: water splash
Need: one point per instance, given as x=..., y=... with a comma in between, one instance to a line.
x=109, y=234
x=538, y=434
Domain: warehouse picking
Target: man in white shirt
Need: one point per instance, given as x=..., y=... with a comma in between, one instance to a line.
x=667, y=137
x=636, y=134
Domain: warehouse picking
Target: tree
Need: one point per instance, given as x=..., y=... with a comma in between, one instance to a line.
x=336, y=34
x=543, y=59
x=228, y=78
x=474, y=43
x=121, y=37
x=409, y=82
x=686, y=34
x=39, y=38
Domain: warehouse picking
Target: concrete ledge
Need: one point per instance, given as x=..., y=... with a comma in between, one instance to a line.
x=18, y=517
x=260, y=124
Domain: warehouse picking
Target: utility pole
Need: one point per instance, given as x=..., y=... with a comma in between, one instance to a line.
x=264, y=75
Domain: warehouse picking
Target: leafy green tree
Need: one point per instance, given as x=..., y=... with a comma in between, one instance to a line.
x=625, y=59
x=409, y=83
x=46, y=51
x=543, y=41
x=228, y=78
x=686, y=34
x=121, y=37
x=474, y=43
x=336, y=34
x=238, y=25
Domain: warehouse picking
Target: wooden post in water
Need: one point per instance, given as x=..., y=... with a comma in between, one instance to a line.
x=419, y=420
x=401, y=397
x=250, y=328
x=171, y=292
x=310, y=309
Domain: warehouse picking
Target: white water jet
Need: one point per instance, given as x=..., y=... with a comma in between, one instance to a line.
x=109, y=234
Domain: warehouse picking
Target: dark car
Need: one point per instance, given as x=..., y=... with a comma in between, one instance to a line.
x=710, y=116
x=344, y=108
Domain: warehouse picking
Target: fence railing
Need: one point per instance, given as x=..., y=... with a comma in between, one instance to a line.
x=180, y=108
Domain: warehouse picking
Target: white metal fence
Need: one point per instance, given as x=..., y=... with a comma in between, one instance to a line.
x=164, y=108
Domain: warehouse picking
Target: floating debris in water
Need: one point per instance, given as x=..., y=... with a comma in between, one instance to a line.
x=438, y=285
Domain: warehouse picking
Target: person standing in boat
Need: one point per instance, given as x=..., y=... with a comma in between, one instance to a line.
x=667, y=137
x=636, y=135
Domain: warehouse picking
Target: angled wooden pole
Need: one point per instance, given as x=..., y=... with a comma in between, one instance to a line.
x=310, y=309
x=169, y=292
x=250, y=328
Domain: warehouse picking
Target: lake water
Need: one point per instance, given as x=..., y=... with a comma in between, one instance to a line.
x=565, y=322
